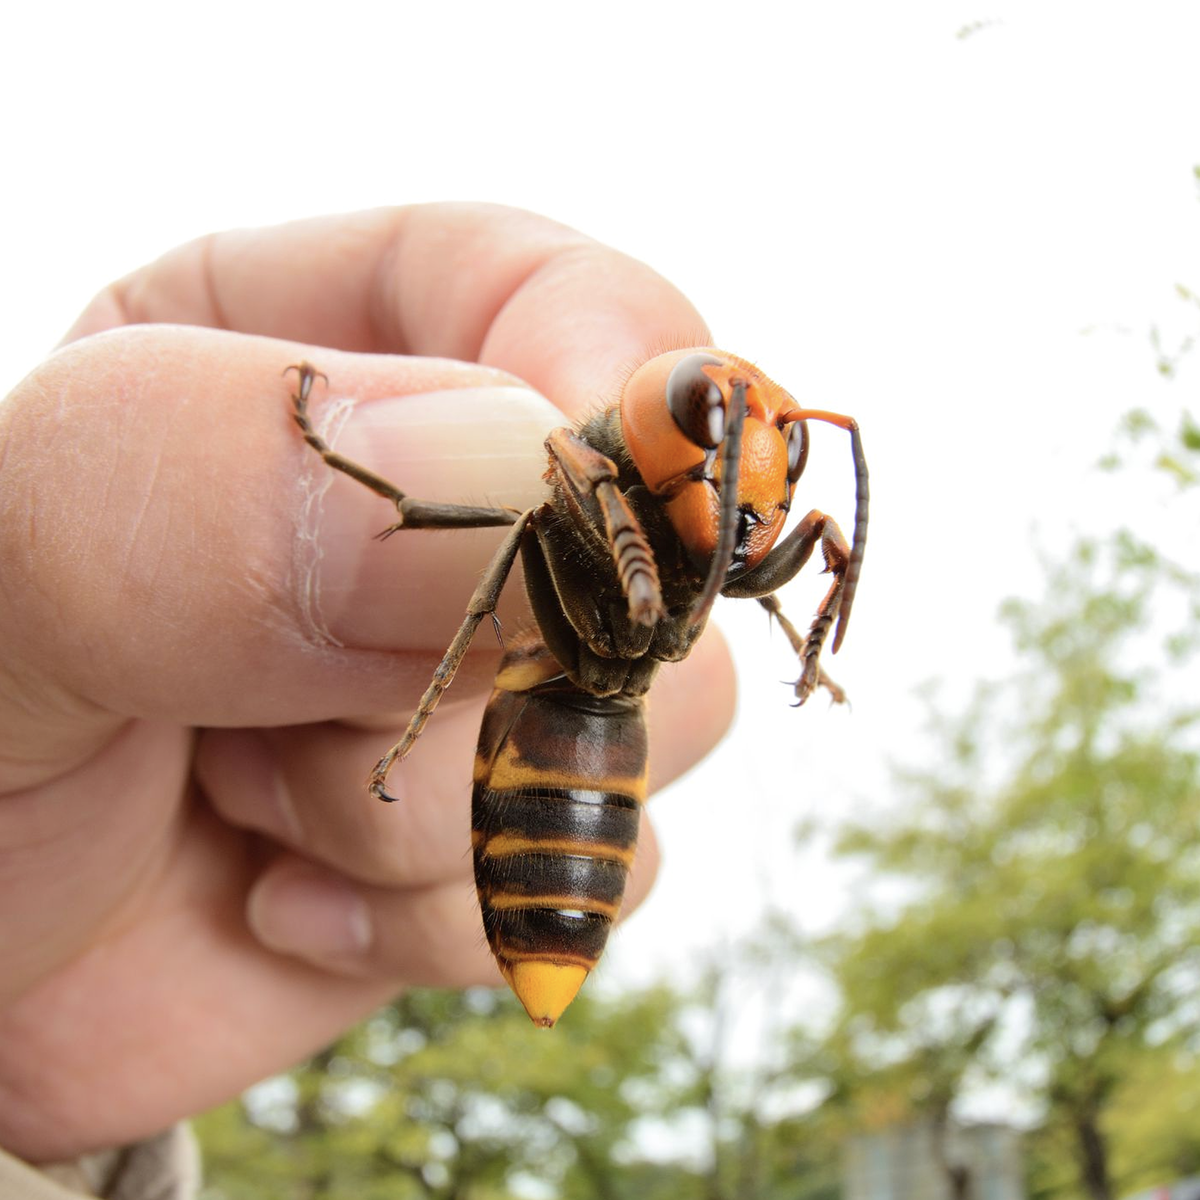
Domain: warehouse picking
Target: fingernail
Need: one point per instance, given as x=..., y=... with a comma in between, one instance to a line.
x=478, y=446
x=311, y=914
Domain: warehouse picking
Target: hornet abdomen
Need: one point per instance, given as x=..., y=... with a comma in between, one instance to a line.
x=560, y=778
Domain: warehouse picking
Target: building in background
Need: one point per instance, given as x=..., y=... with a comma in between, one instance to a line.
x=1181, y=1189
x=916, y=1162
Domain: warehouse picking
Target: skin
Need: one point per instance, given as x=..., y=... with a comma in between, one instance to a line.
x=202, y=651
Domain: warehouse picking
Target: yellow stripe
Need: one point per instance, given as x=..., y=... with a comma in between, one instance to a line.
x=526, y=673
x=504, y=844
x=511, y=900
x=509, y=770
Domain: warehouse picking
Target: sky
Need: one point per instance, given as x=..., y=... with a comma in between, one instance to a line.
x=956, y=221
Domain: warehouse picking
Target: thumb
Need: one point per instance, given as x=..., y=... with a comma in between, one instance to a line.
x=173, y=550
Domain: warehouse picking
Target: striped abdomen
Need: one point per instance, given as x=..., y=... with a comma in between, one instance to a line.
x=560, y=776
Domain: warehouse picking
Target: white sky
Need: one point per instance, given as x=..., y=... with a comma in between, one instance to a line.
x=893, y=221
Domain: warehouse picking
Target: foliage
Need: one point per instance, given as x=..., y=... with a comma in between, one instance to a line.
x=452, y=1095
x=1046, y=935
x=1155, y=1107
x=1049, y=937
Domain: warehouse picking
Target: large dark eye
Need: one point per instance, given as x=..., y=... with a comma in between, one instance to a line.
x=797, y=448
x=695, y=400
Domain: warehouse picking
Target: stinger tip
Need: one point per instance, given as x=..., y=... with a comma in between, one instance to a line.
x=544, y=988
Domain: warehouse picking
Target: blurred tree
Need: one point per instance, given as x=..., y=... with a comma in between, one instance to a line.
x=1048, y=927
x=880, y=1083
x=453, y=1096
x=1156, y=1107
x=760, y=1100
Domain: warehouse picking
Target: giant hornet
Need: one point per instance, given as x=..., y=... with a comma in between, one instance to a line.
x=673, y=495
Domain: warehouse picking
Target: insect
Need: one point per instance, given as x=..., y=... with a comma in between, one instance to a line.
x=675, y=494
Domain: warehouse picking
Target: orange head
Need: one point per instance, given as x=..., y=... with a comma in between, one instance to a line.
x=674, y=413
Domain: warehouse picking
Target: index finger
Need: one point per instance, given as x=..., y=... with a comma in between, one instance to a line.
x=475, y=282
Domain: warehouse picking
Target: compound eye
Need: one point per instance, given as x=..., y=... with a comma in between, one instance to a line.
x=797, y=449
x=696, y=402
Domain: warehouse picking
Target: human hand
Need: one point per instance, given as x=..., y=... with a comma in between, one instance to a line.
x=186, y=912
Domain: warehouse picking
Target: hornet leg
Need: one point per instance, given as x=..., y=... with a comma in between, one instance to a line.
x=420, y=514
x=800, y=644
x=780, y=566
x=482, y=604
x=414, y=514
x=585, y=473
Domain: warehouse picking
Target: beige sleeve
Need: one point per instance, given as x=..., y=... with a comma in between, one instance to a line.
x=166, y=1167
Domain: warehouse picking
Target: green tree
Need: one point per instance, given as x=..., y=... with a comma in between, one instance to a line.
x=454, y=1096
x=768, y=1136
x=1155, y=1108
x=1048, y=933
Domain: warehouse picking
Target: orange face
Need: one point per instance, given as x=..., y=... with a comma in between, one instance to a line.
x=674, y=410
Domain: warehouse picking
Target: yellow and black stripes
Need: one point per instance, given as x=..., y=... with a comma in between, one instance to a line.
x=550, y=867
x=560, y=777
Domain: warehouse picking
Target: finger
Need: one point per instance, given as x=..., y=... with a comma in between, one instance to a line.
x=428, y=936
x=466, y=281
x=76, y=851
x=305, y=788
x=425, y=936
x=173, y=550
x=212, y=985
